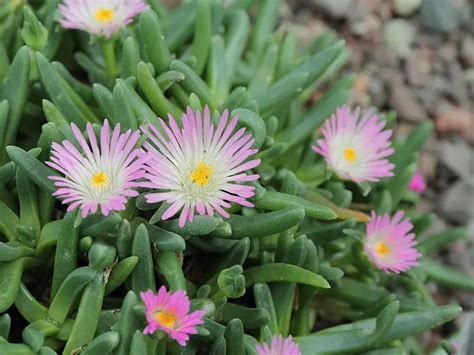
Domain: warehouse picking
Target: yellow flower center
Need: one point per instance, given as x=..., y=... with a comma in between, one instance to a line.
x=202, y=174
x=350, y=154
x=166, y=319
x=104, y=15
x=382, y=248
x=100, y=179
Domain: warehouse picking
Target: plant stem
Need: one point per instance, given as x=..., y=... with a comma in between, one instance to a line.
x=108, y=50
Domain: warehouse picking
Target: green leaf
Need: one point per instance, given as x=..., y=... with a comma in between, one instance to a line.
x=103, y=344
x=69, y=103
x=101, y=255
x=236, y=38
x=264, y=224
x=202, y=35
x=130, y=57
x=335, y=97
x=405, y=153
x=283, y=272
x=120, y=273
x=123, y=112
x=438, y=241
x=234, y=336
x=231, y=282
x=155, y=96
x=169, y=266
x=447, y=276
x=8, y=221
x=254, y=122
x=10, y=279
x=193, y=83
x=142, y=278
x=264, y=24
x=252, y=318
x=127, y=323
x=65, y=260
x=88, y=314
x=33, y=32
x=33, y=168
x=15, y=91
x=346, y=338
x=69, y=291
x=275, y=201
x=154, y=41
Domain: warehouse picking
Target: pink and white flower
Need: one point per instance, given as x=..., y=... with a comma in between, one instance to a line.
x=100, y=17
x=169, y=311
x=389, y=243
x=356, y=147
x=417, y=183
x=199, y=166
x=279, y=346
x=102, y=173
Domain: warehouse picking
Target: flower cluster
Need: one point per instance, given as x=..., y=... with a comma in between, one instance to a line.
x=199, y=167
x=196, y=166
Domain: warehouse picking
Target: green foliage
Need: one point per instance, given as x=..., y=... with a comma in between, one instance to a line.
x=289, y=265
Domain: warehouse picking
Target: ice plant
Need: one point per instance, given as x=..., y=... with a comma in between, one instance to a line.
x=102, y=173
x=417, y=183
x=99, y=17
x=279, y=346
x=169, y=311
x=389, y=243
x=356, y=146
x=199, y=166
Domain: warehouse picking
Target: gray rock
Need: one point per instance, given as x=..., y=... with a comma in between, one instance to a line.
x=467, y=51
x=458, y=157
x=457, y=203
x=418, y=67
x=337, y=9
x=399, y=35
x=404, y=101
x=406, y=7
x=440, y=15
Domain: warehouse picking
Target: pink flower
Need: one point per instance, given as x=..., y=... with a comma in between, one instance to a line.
x=417, y=183
x=103, y=173
x=199, y=166
x=100, y=17
x=169, y=311
x=388, y=243
x=356, y=147
x=279, y=346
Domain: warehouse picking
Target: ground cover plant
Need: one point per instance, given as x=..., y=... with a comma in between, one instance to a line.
x=170, y=184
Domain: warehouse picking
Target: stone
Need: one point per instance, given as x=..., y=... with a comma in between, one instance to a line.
x=399, y=35
x=336, y=9
x=467, y=51
x=456, y=120
x=440, y=15
x=418, y=67
x=406, y=7
x=366, y=25
x=458, y=157
x=457, y=203
x=403, y=100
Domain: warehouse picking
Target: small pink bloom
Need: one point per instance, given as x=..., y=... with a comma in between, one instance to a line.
x=199, y=166
x=417, y=183
x=100, y=17
x=103, y=173
x=356, y=148
x=279, y=346
x=169, y=311
x=388, y=243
